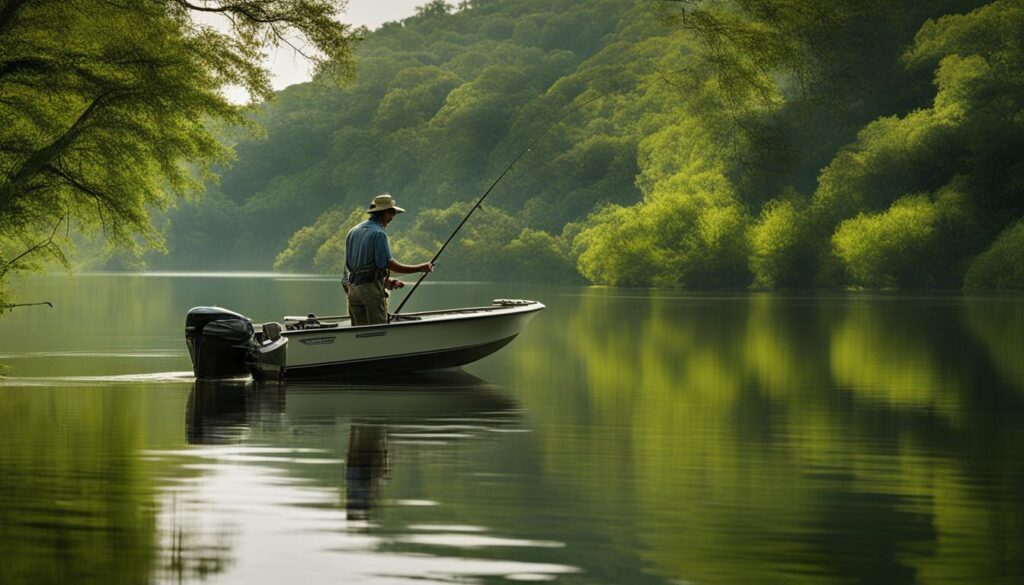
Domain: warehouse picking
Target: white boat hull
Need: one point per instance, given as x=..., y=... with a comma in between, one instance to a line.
x=413, y=342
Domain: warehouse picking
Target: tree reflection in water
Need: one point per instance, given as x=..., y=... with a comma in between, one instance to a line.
x=864, y=437
x=738, y=438
x=76, y=505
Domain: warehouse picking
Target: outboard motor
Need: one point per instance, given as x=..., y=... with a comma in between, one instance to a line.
x=219, y=342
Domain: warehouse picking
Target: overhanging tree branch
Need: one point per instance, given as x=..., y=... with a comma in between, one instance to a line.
x=44, y=156
x=102, y=199
x=251, y=11
x=13, y=263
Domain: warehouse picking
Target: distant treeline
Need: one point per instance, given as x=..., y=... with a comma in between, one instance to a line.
x=752, y=143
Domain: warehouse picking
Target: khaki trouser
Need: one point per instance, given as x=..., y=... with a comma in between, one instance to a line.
x=368, y=303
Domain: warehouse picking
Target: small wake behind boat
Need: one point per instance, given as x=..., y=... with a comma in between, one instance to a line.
x=224, y=344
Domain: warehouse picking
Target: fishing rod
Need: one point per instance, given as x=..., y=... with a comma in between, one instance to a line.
x=479, y=201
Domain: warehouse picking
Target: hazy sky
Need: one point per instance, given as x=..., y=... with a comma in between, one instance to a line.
x=289, y=68
x=374, y=13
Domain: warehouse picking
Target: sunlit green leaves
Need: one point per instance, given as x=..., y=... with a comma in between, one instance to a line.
x=967, y=142
x=110, y=109
x=778, y=240
x=891, y=248
x=691, y=233
x=1001, y=267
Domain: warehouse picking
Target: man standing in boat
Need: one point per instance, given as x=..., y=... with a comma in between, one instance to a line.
x=369, y=263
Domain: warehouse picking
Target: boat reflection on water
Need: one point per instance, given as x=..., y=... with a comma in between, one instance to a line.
x=224, y=412
x=416, y=411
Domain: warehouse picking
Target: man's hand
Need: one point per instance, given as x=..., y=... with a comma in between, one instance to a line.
x=427, y=267
x=392, y=284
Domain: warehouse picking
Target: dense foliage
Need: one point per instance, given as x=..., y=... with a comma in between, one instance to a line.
x=763, y=143
x=108, y=109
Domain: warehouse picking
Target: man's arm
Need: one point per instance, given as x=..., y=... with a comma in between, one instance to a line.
x=396, y=266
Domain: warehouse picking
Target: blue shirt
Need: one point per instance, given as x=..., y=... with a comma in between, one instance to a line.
x=366, y=248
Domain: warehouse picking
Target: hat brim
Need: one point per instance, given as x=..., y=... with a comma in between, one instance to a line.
x=376, y=209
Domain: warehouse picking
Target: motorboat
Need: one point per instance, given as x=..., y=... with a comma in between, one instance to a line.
x=225, y=344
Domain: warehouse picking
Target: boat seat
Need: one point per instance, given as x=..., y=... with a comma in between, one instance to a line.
x=309, y=324
x=272, y=331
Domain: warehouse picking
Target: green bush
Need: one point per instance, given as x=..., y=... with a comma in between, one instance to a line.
x=537, y=256
x=690, y=233
x=304, y=247
x=615, y=248
x=893, y=248
x=777, y=241
x=1001, y=267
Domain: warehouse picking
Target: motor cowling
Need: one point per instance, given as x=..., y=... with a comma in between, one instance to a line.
x=219, y=342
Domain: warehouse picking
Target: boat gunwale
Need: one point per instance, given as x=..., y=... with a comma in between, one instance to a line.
x=455, y=315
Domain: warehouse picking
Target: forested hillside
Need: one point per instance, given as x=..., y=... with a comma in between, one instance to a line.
x=746, y=143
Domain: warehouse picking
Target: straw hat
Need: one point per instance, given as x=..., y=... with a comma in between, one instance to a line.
x=382, y=202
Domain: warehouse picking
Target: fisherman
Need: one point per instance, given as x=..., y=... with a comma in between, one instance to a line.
x=369, y=263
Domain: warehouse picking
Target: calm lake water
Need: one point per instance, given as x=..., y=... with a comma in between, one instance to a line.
x=627, y=437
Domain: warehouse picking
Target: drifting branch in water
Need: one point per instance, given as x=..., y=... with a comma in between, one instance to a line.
x=5, y=307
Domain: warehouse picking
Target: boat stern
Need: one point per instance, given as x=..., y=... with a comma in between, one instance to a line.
x=225, y=344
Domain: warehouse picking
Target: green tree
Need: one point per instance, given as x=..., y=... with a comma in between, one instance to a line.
x=1001, y=267
x=968, y=142
x=538, y=256
x=778, y=246
x=903, y=245
x=109, y=109
x=434, y=8
x=690, y=232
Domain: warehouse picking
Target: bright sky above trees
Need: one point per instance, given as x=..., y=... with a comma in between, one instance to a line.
x=290, y=68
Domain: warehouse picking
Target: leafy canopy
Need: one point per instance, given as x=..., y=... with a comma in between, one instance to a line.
x=109, y=109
